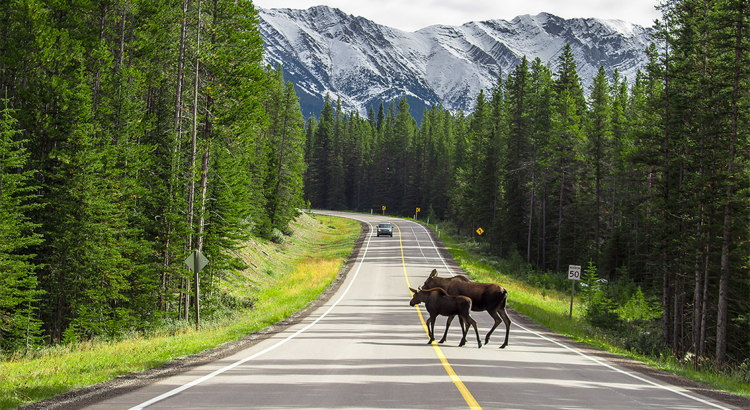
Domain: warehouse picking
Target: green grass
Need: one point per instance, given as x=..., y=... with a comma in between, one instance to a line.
x=302, y=270
x=551, y=308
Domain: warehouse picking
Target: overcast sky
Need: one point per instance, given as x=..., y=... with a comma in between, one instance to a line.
x=411, y=15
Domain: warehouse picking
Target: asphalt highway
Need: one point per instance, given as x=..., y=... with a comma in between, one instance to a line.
x=366, y=348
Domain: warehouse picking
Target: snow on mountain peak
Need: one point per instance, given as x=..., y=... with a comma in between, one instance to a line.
x=324, y=50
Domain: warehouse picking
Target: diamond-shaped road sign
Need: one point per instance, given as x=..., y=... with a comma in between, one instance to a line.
x=480, y=231
x=202, y=261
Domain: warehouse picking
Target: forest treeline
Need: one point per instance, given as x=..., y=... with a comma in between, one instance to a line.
x=643, y=181
x=133, y=132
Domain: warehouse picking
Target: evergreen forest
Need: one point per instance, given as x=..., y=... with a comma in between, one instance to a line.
x=644, y=182
x=133, y=132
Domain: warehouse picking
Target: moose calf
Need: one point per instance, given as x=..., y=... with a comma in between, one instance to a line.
x=438, y=302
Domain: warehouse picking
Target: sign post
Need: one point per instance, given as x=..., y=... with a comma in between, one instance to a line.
x=417, y=215
x=383, y=210
x=196, y=262
x=574, y=273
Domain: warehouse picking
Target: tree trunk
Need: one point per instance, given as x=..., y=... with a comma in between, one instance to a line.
x=285, y=112
x=560, y=222
x=544, y=221
x=194, y=148
x=97, y=79
x=598, y=197
x=677, y=316
x=721, y=326
x=120, y=60
x=666, y=303
x=704, y=306
x=697, y=293
x=531, y=214
x=180, y=68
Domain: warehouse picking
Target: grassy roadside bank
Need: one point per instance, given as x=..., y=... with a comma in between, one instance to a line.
x=283, y=279
x=551, y=308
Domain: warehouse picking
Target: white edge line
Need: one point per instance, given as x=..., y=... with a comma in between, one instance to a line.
x=266, y=350
x=593, y=359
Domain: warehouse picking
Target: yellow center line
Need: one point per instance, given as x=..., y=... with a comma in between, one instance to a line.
x=456, y=380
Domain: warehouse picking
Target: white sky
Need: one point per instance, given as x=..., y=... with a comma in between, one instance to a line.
x=412, y=15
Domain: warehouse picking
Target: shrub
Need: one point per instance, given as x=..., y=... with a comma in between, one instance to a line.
x=644, y=338
x=637, y=308
x=277, y=236
x=222, y=304
x=287, y=230
x=601, y=311
x=742, y=372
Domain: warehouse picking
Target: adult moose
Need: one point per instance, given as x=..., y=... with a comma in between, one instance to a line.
x=484, y=296
x=438, y=302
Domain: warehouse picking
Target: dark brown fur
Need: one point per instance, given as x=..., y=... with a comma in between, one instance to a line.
x=484, y=296
x=438, y=302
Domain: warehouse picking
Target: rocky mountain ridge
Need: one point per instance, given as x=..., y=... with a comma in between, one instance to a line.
x=326, y=51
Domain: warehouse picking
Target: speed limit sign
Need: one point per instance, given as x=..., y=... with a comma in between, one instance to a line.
x=574, y=272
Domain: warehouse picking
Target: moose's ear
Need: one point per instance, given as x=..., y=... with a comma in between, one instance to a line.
x=433, y=273
x=413, y=290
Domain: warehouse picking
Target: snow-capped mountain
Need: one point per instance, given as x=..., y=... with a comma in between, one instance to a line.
x=324, y=50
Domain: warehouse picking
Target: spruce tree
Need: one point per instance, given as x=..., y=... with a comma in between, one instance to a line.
x=599, y=136
x=283, y=186
x=541, y=107
x=20, y=327
x=565, y=142
x=517, y=162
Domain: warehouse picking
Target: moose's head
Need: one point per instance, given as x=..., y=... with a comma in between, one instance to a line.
x=417, y=297
x=432, y=281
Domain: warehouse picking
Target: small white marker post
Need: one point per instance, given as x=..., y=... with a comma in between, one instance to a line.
x=574, y=273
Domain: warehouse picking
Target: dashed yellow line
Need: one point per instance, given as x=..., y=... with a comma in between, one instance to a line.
x=456, y=380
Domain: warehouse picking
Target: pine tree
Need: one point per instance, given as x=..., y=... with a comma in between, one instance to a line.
x=541, y=107
x=308, y=180
x=283, y=186
x=599, y=136
x=318, y=189
x=565, y=142
x=517, y=163
x=336, y=198
x=404, y=128
x=19, y=288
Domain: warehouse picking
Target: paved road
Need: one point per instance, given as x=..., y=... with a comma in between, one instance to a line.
x=366, y=349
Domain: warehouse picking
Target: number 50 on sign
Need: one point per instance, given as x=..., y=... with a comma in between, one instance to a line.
x=574, y=272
